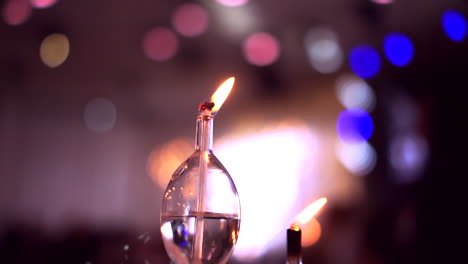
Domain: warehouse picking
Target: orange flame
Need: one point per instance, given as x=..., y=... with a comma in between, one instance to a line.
x=221, y=94
x=310, y=211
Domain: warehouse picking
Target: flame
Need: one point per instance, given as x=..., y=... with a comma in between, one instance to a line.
x=295, y=227
x=221, y=94
x=310, y=211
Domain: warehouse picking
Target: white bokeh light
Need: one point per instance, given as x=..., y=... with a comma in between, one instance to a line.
x=359, y=159
x=354, y=92
x=267, y=169
x=323, y=49
x=100, y=115
x=236, y=23
x=408, y=155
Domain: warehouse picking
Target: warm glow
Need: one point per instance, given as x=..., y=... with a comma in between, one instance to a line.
x=311, y=233
x=164, y=160
x=54, y=50
x=310, y=211
x=222, y=93
x=261, y=49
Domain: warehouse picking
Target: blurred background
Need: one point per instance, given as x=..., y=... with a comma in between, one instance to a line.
x=359, y=101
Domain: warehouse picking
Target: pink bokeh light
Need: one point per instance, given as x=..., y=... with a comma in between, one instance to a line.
x=160, y=44
x=190, y=20
x=261, y=49
x=233, y=2
x=43, y=3
x=16, y=12
x=383, y=2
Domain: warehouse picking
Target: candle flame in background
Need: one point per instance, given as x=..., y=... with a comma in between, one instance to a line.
x=310, y=211
x=222, y=93
x=190, y=20
x=305, y=220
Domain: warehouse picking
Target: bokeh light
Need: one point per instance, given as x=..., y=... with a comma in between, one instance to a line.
x=383, y=2
x=236, y=23
x=160, y=44
x=16, y=12
x=262, y=166
x=311, y=232
x=43, y=3
x=54, y=50
x=455, y=25
x=354, y=126
x=261, y=49
x=233, y=2
x=354, y=92
x=100, y=115
x=364, y=61
x=323, y=49
x=408, y=155
x=163, y=161
x=398, y=49
x=360, y=159
x=190, y=20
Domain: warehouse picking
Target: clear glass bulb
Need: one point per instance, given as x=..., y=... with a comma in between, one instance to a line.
x=200, y=216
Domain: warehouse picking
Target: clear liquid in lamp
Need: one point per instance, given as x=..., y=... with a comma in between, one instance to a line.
x=197, y=238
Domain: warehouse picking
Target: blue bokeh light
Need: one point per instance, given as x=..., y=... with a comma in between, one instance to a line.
x=455, y=25
x=398, y=49
x=365, y=61
x=354, y=126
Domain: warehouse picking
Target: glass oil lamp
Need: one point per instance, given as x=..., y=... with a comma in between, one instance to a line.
x=200, y=215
